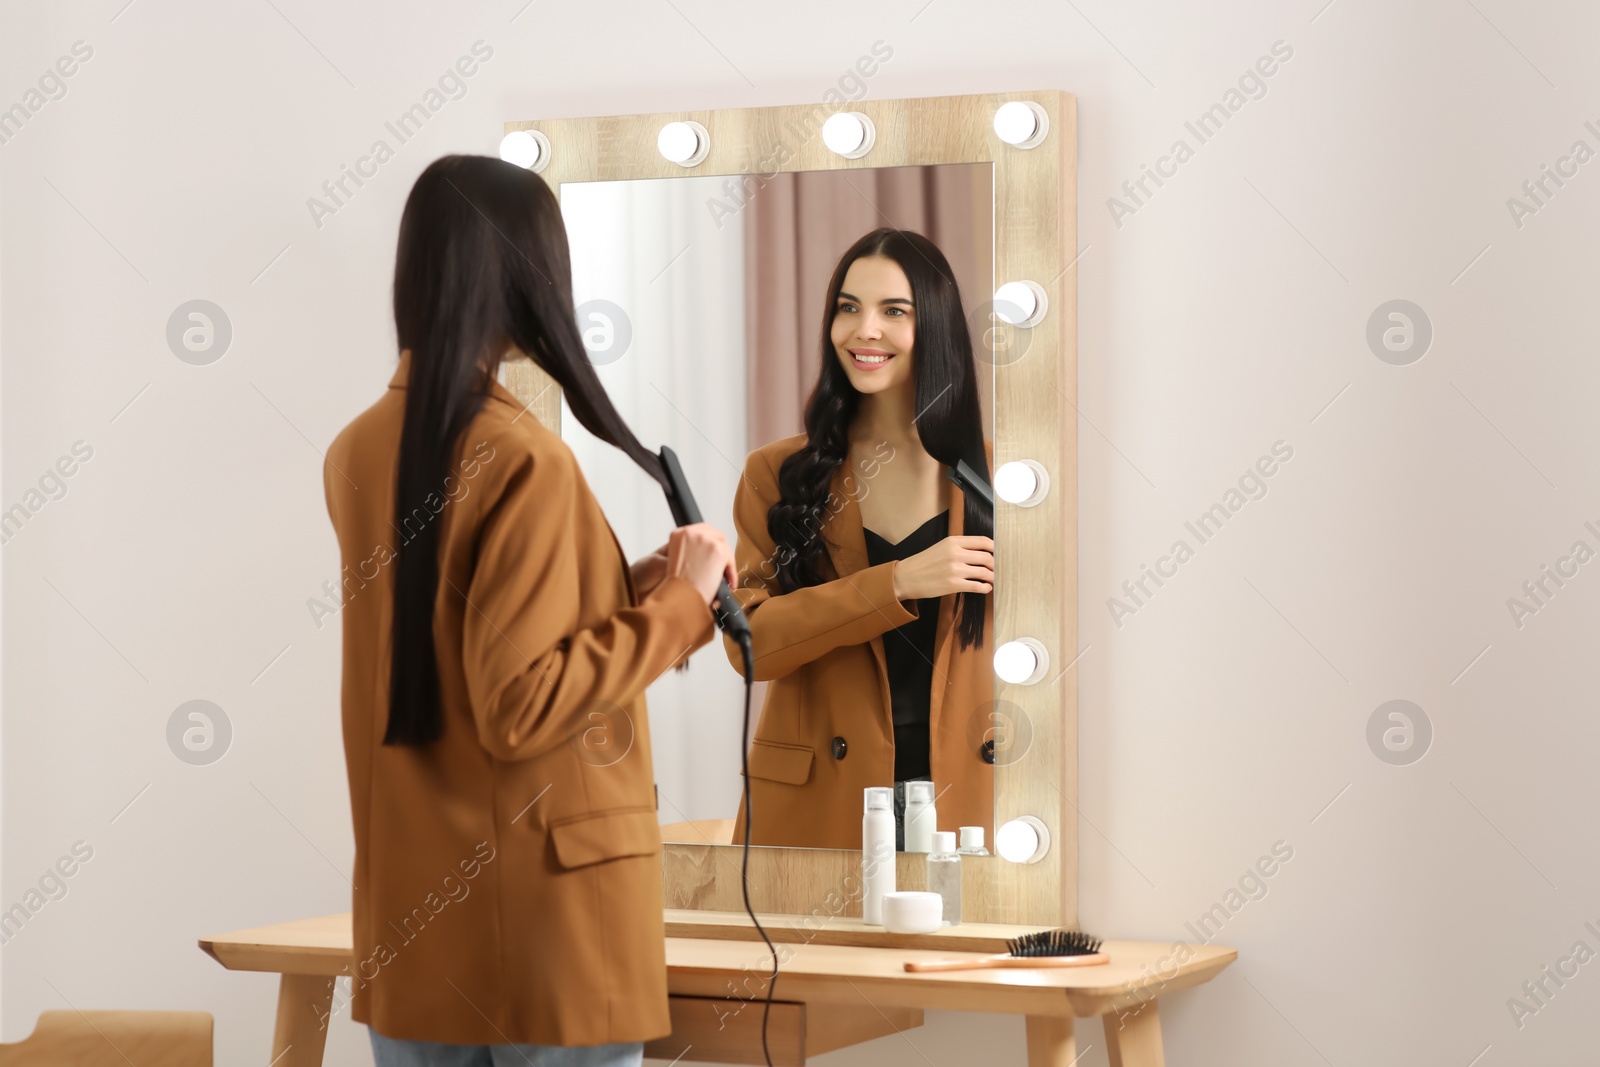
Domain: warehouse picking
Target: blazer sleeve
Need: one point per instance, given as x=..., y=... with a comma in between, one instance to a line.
x=532, y=674
x=789, y=630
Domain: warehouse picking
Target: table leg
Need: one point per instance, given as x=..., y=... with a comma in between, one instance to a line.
x=302, y=1027
x=1133, y=1037
x=1050, y=1041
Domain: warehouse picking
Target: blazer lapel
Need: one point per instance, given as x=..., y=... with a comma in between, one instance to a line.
x=943, y=644
x=845, y=539
x=944, y=632
x=947, y=605
x=945, y=627
x=843, y=534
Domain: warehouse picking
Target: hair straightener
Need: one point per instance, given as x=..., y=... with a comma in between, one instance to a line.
x=971, y=483
x=728, y=613
x=730, y=617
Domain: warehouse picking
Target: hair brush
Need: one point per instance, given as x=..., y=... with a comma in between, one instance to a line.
x=1047, y=948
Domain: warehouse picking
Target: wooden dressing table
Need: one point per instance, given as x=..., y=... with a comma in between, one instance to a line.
x=835, y=987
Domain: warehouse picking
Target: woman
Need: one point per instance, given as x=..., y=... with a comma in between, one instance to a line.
x=865, y=572
x=507, y=885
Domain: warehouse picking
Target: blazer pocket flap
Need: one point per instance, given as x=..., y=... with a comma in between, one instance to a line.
x=605, y=835
x=779, y=762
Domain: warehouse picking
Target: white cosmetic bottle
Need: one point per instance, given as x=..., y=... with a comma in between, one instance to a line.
x=921, y=817
x=877, y=852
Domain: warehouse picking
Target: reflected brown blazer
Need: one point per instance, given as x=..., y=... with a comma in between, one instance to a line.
x=507, y=883
x=826, y=730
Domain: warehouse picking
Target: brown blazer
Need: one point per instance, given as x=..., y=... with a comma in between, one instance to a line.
x=507, y=876
x=826, y=730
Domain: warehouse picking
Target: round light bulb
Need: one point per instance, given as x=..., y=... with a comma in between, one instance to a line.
x=849, y=134
x=1022, y=482
x=1020, y=303
x=525, y=148
x=1022, y=840
x=1021, y=662
x=684, y=143
x=1021, y=123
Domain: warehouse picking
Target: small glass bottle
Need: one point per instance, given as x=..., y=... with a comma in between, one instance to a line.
x=944, y=875
x=972, y=841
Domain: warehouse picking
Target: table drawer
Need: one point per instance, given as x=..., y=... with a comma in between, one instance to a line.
x=728, y=1029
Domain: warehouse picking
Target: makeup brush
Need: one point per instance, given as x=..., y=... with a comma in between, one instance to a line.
x=1047, y=948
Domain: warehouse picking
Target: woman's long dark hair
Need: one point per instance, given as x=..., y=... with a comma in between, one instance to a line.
x=949, y=420
x=482, y=265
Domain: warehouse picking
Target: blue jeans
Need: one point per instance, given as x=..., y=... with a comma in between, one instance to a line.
x=393, y=1052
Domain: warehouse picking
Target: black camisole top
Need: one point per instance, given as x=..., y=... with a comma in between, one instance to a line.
x=908, y=652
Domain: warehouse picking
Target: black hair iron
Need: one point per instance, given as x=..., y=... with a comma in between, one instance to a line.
x=971, y=483
x=728, y=613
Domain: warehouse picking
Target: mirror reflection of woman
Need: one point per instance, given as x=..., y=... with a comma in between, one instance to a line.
x=865, y=572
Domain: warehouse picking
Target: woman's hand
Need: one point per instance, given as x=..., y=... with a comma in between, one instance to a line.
x=700, y=554
x=963, y=564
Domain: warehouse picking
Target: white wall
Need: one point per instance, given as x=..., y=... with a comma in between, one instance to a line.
x=1229, y=312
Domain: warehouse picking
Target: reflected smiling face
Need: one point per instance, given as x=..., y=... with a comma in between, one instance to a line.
x=874, y=325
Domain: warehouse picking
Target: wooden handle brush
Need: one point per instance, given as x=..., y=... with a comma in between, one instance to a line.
x=1048, y=948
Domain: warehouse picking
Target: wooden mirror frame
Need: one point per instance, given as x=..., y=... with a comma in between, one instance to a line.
x=1035, y=417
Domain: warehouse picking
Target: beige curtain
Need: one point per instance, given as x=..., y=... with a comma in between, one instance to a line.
x=796, y=228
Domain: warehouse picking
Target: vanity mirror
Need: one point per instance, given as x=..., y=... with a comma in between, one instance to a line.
x=703, y=247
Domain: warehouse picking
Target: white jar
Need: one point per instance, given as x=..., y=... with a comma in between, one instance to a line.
x=911, y=912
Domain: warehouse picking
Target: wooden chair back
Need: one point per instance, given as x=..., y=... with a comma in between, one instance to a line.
x=114, y=1039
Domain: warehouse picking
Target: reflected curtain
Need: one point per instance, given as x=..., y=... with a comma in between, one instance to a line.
x=797, y=227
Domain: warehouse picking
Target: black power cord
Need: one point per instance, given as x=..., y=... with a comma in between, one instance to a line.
x=744, y=868
x=730, y=617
